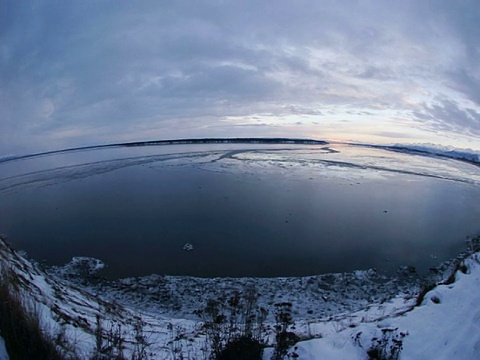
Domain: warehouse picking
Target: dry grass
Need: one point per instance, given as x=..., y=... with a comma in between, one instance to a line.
x=20, y=327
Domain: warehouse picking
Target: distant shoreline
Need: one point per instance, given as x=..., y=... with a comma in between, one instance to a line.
x=466, y=157
x=193, y=141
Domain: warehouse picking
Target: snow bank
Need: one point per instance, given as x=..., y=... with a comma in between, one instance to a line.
x=80, y=267
x=445, y=326
x=459, y=154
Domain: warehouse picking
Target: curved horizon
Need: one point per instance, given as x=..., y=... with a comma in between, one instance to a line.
x=472, y=157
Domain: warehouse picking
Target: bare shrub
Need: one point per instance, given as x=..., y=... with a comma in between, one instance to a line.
x=388, y=346
x=109, y=343
x=235, y=325
x=242, y=348
x=284, y=338
x=20, y=327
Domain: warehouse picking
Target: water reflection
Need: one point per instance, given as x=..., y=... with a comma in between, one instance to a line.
x=248, y=211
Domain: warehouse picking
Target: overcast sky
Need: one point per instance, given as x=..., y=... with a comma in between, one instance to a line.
x=76, y=73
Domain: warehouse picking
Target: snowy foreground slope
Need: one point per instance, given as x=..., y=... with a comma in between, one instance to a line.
x=446, y=325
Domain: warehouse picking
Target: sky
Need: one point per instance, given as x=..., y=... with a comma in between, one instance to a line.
x=78, y=73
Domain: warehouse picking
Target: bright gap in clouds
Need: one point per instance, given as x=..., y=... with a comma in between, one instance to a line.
x=366, y=71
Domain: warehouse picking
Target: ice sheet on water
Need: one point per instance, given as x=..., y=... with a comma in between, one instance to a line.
x=336, y=161
x=344, y=162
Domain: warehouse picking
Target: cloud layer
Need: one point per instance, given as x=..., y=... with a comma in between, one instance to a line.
x=94, y=72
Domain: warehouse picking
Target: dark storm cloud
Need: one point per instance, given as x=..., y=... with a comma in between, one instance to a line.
x=94, y=71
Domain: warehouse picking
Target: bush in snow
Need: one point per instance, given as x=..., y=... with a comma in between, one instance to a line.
x=388, y=346
x=234, y=325
x=242, y=348
x=284, y=338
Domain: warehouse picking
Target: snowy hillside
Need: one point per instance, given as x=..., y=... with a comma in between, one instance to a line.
x=444, y=325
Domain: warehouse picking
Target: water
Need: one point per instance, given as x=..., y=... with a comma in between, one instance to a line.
x=248, y=210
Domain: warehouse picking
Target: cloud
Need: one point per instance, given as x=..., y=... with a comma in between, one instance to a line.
x=394, y=135
x=447, y=115
x=95, y=71
x=467, y=83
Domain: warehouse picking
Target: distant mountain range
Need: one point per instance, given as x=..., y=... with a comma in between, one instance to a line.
x=462, y=155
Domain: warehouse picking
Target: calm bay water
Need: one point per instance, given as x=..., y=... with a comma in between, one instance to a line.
x=247, y=210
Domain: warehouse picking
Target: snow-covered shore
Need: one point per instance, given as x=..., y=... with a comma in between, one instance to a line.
x=468, y=155
x=443, y=326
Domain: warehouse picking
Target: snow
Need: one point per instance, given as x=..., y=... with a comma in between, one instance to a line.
x=451, y=326
x=455, y=153
x=319, y=296
x=80, y=266
x=444, y=326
